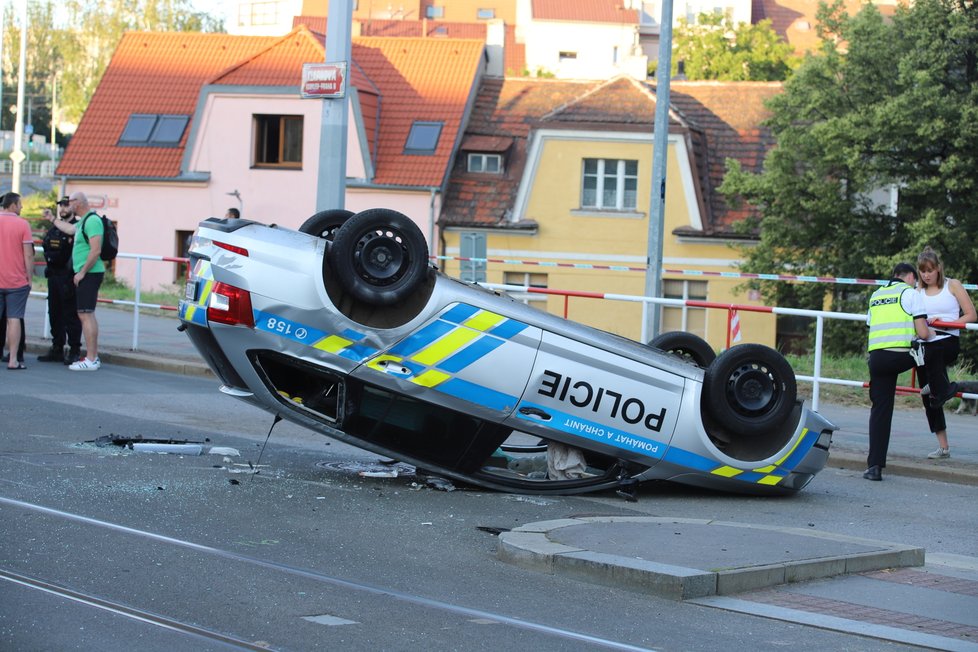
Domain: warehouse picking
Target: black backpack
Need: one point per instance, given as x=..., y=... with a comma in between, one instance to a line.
x=110, y=238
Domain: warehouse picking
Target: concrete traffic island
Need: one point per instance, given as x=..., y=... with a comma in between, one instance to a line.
x=682, y=558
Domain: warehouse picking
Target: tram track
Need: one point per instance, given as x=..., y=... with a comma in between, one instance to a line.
x=297, y=571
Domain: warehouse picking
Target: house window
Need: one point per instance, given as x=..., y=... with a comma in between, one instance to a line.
x=685, y=318
x=278, y=140
x=423, y=138
x=473, y=245
x=153, y=130
x=258, y=13
x=527, y=279
x=489, y=163
x=485, y=14
x=435, y=12
x=609, y=184
x=183, y=251
x=567, y=56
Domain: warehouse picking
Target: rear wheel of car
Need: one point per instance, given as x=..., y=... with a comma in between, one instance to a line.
x=379, y=256
x=325, y=224
x=750, y=389
x=687, y=346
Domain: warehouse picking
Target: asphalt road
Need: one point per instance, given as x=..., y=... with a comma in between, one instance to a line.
x=109, y=549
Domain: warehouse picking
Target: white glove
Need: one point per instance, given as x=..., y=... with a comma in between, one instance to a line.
x=917, y=353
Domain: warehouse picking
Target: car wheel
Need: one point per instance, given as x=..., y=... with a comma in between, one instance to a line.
x=750, y=389
x=325, y=224
x=379, y=256
x=687, y=346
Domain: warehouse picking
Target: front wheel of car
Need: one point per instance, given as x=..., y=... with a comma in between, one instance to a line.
x=750, y=389
x=325, y=224
x=379, y=256
x=687, y=346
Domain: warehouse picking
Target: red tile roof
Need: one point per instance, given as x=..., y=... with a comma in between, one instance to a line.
x=588, y=11
x=419, y=79
x=722, y=120
x=729, y=116
x=514, y=54
x=794, y=20
x=415, y=79
x=149, y=73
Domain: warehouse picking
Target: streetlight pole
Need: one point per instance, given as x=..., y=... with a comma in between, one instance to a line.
x=660, y=146
x=332, y=135
x=17, y=156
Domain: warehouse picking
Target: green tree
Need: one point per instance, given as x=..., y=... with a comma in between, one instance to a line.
x=715, y=48
x=69, y=43
x=886, y=103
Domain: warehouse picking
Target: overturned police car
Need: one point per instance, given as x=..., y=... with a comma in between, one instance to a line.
x=346, y=328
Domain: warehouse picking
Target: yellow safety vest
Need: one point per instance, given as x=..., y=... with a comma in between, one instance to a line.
x=890, y=326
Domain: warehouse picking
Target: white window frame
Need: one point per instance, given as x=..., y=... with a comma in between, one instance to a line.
x=479, y=162
x=527, y=279
x=621, y=177
x=690, y=290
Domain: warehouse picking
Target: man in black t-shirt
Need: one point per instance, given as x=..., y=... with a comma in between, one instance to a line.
x=62, y=312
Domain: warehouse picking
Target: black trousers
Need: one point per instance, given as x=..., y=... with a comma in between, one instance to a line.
x=62, y=312
x=884, y=368
x=938, y=356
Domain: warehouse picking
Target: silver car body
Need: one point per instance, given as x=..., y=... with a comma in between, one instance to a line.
x=466, y=366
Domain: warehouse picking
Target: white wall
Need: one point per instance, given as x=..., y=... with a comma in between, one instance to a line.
x=594, y=45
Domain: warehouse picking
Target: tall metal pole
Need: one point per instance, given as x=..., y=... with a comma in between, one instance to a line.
x=660, y=128
x=17, y=156
x=332, y=136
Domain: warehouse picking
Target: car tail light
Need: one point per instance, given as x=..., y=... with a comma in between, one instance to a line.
x=230, y=305
x=231, y=248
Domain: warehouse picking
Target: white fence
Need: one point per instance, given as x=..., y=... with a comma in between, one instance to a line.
x=818, y=315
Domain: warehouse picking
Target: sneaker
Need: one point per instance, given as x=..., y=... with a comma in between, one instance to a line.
x=86, y=365
x=56, y=354
x=939, y=454
x=72, y=356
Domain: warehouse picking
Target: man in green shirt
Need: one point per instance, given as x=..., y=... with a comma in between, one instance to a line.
x=89, y=272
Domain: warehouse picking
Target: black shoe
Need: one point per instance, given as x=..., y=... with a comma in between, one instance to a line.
x=56, y=354
x=73, y=356
x=939, y=401
x=873, y=473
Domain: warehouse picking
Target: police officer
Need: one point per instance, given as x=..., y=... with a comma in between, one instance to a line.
x=896, y=316
x=65, y=325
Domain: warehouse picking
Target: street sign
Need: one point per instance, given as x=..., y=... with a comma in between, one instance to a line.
x=17, y=156
x=324, y=80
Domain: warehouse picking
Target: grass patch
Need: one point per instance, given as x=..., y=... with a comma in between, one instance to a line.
x=119, y=291
x=855, y=368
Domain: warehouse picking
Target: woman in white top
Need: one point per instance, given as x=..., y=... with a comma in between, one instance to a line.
x=945, y=300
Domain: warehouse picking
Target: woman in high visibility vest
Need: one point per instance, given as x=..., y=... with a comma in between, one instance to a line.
x=896, y=316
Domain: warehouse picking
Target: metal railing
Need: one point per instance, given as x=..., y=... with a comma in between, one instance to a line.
x=731, y=308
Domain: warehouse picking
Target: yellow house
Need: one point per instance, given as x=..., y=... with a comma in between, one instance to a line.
x=551, y=189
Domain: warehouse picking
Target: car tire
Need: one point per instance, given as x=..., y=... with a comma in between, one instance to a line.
x=325, y=224
x=687, y=346
x=750, y=389
x=379, y=256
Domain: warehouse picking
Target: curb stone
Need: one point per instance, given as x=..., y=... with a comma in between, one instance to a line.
x=569, y=547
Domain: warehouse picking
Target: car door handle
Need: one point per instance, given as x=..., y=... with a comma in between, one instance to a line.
x=536, y=413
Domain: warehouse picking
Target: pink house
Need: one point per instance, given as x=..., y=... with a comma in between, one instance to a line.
x=185, y=125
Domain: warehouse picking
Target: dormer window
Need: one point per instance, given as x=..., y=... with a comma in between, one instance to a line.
x=485, y=163
x=423, y=138
x=153, y=130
